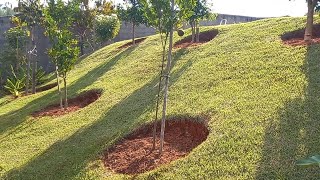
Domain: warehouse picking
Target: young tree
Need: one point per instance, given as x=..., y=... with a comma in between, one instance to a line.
x=83, y=23
x=200, y=12
x=58, y=18
x=133, y=13
x=106, y=27
x=31, y=14
x=165, y=15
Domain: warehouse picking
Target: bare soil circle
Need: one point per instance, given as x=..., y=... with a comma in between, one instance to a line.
x=134, y=154
x=74, y=104
x=204, y=37
x=136, y=41
x=296, y=38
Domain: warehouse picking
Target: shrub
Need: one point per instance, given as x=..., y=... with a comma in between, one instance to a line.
x=106, y=27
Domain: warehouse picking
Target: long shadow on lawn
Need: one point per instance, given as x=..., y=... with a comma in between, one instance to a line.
x=67, y=158
x=13, y=119
x=297, y=134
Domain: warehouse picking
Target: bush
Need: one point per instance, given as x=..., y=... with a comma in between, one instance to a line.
x=106, y=27
x=16, y=83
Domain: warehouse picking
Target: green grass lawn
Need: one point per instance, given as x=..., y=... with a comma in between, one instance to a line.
x=263, y=99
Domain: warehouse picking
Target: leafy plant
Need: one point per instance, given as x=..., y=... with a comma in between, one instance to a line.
x=132, y=12
x=14, y=86
x=106, y=27
x=15, y=83
x=58, y=20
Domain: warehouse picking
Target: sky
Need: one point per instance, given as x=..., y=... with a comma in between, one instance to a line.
x=255, y=8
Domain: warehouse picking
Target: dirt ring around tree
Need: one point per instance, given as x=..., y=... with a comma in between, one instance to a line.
x=137, y=41
x=296, y=38
x=204, y=37
x=134, y=154
x=74, y=104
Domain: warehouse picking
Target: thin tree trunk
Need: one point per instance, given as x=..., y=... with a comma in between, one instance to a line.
x=59, y=89
x=159, y=90
x=133, y=34
x=193, y=32
x=65, y=91
x=166, y=90
x=28, y=70
x=81, y=45
x=309, y=25
x=197, y=33
x=34, y=65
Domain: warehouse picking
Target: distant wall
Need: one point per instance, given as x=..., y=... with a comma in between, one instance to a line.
x=124, y=34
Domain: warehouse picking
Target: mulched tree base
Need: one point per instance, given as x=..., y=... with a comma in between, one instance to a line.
x=296, y=38
x=134, y=154
x=137, y=41
x=203, y=38
x=82, y=100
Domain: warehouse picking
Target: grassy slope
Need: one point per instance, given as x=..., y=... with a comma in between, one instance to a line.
x=263, y=98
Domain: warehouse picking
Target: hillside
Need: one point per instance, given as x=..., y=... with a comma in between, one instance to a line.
x=262, y=98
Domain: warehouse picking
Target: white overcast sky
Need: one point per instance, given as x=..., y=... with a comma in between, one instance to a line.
x=256, y=8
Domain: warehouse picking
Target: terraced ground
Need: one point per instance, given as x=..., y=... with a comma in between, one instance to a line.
x=263, y=99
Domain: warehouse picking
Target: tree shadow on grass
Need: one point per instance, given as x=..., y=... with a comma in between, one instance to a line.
x=11, y=120
x=67, y=158
x=296, y=135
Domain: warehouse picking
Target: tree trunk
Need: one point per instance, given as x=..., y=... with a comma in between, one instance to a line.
x=133, y=34
x=309, y=25
x=193, y=32
x=59, y=89
x=28, y=70
x=34, y=65
x=81, y=45
x=166, y=90
x=158, y=96
x=65, y=91
x=28, y=75
x=197, y=33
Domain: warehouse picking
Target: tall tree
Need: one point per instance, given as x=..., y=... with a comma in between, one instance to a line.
x=31, y=14
x=58, y=20
x=132, y=12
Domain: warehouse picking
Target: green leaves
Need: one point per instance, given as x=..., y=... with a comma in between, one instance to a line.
x=58, y=20
x=106, y=27
x=313, y=160
x=133, y=12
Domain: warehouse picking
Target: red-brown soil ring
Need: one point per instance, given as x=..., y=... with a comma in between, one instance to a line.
x=204, y=37
x=295, y=38
x=82, y=100
x=134, y=154
x=137, y=41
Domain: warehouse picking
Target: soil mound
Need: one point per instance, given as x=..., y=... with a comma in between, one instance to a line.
x=82, y=100
x=134, y=153
x=295, y=38
x=203, y=38
x=137, y=41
